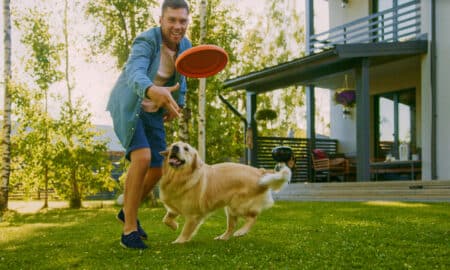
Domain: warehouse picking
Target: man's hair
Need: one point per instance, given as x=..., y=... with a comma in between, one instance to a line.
x=175, y=4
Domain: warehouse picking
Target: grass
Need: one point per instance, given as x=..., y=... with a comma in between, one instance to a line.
x=291, y=235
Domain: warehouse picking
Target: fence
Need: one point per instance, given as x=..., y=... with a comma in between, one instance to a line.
x=301, y=149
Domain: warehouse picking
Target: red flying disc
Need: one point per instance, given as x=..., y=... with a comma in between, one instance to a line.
x=202, y=61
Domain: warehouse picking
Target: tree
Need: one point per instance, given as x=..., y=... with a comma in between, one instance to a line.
x=82, y=161
x=42, y=65
x=6, y=134
x=82, y=166
x=120, y=22
x=277, y=37
x=202, y=87
x=31, y=156
x=60, y=153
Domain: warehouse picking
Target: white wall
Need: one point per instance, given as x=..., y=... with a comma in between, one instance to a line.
x=344, y=130
x=442, y=92
x=356, y=9
x=443, y=88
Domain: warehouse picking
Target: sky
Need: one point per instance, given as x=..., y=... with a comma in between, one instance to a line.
x=94, y=77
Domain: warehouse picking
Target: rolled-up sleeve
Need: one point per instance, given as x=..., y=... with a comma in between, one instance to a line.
x=138, y=64
x=183, y=90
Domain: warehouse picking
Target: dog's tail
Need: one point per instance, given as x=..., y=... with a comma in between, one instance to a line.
x=276, y=181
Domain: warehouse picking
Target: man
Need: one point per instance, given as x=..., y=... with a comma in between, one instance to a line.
x=148, y=92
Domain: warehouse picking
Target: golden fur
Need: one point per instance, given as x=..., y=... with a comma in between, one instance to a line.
x=193, y=189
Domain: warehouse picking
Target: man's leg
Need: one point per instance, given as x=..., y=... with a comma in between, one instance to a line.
x=151, y=178
x=140, y=158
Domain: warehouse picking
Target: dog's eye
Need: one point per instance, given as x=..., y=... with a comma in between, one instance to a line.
x=186, y=149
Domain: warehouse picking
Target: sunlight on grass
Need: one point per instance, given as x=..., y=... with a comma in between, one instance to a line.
x=291, y=235
x=396, y=204
x=12, y=234
x=359, y=223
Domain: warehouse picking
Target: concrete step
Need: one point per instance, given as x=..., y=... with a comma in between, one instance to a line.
x=386, y=190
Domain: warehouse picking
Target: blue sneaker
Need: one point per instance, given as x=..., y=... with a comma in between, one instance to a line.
x=140, y=230
x=132, y=240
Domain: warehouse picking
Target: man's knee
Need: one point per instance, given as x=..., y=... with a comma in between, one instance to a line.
x=141, y=157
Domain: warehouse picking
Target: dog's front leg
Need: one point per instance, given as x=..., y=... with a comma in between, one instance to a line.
x=169, y=220
x=189, y=229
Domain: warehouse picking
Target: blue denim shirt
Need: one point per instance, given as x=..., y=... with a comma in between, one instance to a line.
x=125, y=100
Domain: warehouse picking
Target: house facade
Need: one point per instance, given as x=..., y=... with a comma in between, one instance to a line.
x=395, y=56
x=412, y=91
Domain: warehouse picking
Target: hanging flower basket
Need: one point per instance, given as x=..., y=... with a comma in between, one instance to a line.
x=346, y=97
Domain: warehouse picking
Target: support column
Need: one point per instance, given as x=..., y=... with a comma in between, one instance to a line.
x=309, y=29
x=310, y=97
x=362, y=121
x=252, y=130
x=310, y=125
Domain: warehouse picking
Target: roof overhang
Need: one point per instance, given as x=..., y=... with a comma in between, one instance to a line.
x=303, y=71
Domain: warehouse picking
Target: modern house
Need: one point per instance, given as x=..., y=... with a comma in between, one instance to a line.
x=395, y=55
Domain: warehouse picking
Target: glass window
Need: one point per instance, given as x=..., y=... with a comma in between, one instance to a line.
x=395, y=118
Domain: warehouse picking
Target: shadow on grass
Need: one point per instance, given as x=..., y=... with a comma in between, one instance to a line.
x=290, y=235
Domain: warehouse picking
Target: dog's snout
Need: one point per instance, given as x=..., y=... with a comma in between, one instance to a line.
x=175, y=149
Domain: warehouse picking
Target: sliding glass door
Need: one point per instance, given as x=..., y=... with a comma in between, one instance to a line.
x=395, y=122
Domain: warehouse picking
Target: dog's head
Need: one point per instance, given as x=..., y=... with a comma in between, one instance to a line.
x=181, y=155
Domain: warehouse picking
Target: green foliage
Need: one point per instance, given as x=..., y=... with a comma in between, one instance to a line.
x=60, y=153
x=277, y=37
x=83, y=166
x=223, y=129
x=45, y=51
x=266, y=115
x=120, y=21
x=34, y=126
x=291, y=235
x=29, y=151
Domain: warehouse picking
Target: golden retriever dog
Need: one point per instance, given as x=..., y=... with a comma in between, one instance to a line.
x=193, y=189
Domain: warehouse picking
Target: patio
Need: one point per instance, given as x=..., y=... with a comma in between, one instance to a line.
x=424, y=191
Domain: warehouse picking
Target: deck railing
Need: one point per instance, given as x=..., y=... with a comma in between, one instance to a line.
x=397, y=24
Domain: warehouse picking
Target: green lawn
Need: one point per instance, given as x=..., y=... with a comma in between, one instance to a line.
x=291, y=235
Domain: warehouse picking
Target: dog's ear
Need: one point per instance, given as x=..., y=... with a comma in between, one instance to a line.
x=164, y=153
x=197, y=162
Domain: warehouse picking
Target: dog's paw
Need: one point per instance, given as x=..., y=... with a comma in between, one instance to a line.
x=179, y=241
x=240, y=233
x=172, y=224
x=223, y=237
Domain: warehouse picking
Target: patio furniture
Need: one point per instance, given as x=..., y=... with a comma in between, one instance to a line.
x=408, y=168
x=326, y=167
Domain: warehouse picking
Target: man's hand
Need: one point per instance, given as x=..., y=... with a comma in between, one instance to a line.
x=162, y=97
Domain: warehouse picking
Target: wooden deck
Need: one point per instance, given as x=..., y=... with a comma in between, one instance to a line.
x=430, y=191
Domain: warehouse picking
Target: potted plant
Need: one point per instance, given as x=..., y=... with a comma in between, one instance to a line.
x=346, y=97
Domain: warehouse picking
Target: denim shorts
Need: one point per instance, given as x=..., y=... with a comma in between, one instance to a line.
x=149, y=133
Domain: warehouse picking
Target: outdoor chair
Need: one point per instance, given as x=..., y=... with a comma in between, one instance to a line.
x=327, y=168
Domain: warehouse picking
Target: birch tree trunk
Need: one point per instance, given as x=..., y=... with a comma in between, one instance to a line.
x=202, y=88
x=75, y=199
x=66, y=54
x=6, y=134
